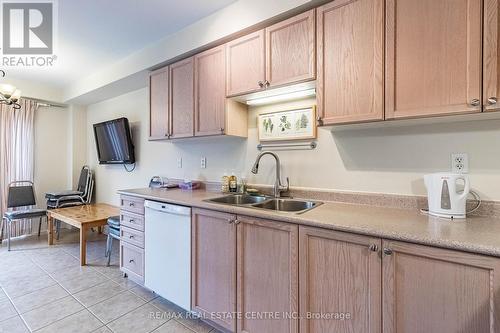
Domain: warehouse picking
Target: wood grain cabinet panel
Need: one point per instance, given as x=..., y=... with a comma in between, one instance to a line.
x=245, y=64
x=433, y=57
x=267, y=276
x=213, y=265
x=182, y=98
x=491, y=56
x=158, y=104
x=339, y=275
x=350, y=61
x=210, y=92
x=291, y=50
x=428, y=289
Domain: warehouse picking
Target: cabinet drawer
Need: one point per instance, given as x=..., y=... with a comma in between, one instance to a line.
x=132, y=204
x=132, y=220
x=132, y=236
x=132, y=261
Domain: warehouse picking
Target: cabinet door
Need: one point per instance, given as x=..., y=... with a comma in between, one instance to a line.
x=339, y=275
x=213, y=264
x=182, y=99
x=245, y=64
x=158, y=104
x=435, y=290
x=267, y=275
x=491, y=56
x=350, y=61
x=291, y=49
x=433, y=50
x=210, y=92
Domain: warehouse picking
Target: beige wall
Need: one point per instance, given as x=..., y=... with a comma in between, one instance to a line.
x=51, y=151
x=388, y=160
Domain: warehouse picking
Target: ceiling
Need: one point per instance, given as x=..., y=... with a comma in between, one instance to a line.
x=94, y=34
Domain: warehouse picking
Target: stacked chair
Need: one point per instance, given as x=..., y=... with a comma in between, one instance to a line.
x=81, y=196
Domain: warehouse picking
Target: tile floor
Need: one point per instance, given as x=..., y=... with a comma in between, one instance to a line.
x=44, y=289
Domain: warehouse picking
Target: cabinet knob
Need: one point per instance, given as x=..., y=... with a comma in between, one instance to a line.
x=222, y=129
x=131, y=204
x=131, y=221
x=373, y=247
x=267, y=83
x=131, y=236
x=475, y=102
x=261, y=84
x=231, y=221
x=492, y=100
x=236, y=221
x=387, y=251
x=131, y=261
x=167, y=135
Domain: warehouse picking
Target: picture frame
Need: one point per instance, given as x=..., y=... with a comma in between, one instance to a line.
x=286, y=125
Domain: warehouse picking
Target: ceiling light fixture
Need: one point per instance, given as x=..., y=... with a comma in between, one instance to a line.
x=288, y=96
x=9, y=95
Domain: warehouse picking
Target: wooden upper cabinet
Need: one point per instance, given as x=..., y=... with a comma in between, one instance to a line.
x=491, y=56
x=182, y=99
x=267, y=275
x=213, y=262
x=210, y=92
x=158, y=104
x=350, y=36
x=433, y=57
x=245, y=64
x=291, y=50
x=435, y=290
x=340, y=273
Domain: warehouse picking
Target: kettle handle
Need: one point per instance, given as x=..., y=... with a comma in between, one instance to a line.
x=466, y=186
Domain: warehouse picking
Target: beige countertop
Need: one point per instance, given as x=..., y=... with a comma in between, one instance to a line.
x=474, y=234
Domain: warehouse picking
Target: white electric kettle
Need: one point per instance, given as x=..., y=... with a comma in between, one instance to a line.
x=445, y=198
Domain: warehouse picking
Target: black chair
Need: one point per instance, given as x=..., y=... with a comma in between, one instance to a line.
x=81, y=196
x=21, y=195
x=113, y=233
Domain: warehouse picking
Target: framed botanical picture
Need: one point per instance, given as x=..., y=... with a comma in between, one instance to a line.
x=296, y=124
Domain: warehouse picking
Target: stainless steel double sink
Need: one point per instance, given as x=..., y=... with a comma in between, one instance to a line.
x=266, y=202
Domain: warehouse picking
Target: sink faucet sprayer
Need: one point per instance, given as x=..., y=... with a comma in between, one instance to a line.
x=278, y=187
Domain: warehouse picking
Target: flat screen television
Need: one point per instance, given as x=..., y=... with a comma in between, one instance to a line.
x=114, y=142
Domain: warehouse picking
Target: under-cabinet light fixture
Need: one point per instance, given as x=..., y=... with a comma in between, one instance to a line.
x=288, y=96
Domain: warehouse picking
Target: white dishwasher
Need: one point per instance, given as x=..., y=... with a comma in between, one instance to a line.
x=167, y=247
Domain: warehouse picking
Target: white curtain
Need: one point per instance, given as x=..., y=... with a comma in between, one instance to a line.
x=16, y=154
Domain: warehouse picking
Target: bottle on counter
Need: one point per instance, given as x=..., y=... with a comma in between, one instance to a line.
x=243, y=184
x=233, y=183
x=225, y=183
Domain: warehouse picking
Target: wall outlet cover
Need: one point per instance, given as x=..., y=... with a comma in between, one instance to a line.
x=459, y=163
x=179, y=162
x=203, y=162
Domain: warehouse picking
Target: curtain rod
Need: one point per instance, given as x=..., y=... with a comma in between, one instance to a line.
x=45, y=103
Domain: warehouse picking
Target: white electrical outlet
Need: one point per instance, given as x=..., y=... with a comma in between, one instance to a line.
x=203, y=162
x=460, y=163
x=179, y=162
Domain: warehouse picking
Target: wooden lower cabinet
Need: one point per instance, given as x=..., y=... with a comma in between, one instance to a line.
x=213, y=265
x=427, y=289
x=276, y=277
x=267, y=276
x=340, y=282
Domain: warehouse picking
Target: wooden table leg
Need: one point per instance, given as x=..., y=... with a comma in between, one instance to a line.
x=50, y=230
x=83, y=245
